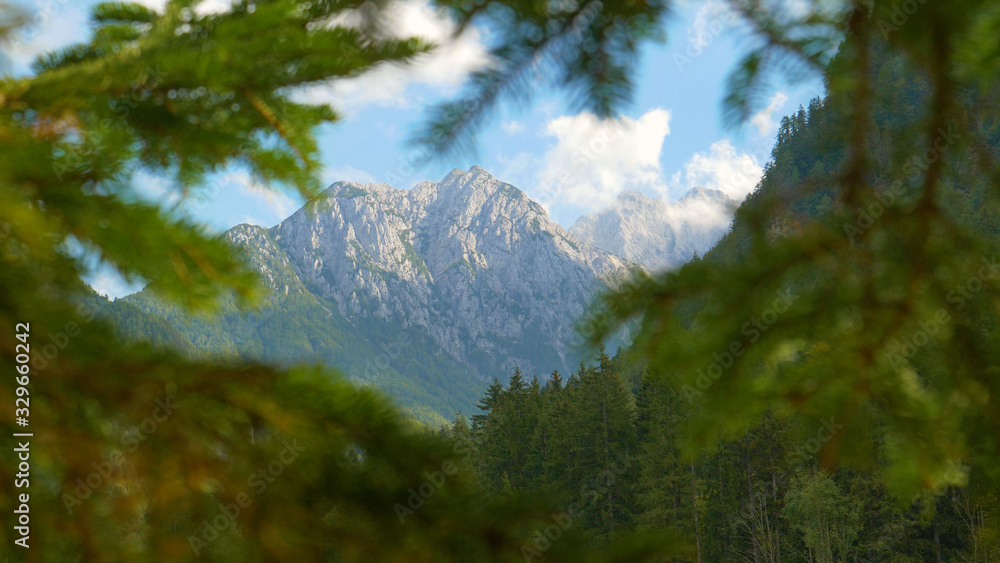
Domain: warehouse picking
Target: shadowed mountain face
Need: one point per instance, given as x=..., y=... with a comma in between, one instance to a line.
x=428, y=292
x=657, y=234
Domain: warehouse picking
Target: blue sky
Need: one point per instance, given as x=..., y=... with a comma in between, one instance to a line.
x=670, y=139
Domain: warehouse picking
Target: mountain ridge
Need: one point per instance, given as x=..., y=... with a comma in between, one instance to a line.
x=428, y=292
x=656, y=233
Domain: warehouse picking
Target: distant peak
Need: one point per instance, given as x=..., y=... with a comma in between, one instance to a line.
x=705, y=194
x=476, y=178
x=347, y=190
x=630, y=195
x=245, y=228
x=455, y=177
x=458, y=173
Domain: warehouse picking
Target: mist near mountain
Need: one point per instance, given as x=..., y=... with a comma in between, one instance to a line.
x=658, y=234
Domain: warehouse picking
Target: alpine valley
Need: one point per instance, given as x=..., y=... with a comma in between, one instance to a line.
x=430, y=293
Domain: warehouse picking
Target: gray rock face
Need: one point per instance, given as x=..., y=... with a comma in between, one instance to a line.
x=657, y=234
x=470, y=260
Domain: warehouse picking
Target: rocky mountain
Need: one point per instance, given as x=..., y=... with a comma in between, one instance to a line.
x=656, y=233
x=427, y=292
x=471, y=260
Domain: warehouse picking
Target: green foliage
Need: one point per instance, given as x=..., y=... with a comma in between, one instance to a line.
x=857, y=286
x=759, y=497
x=855, y=295
x=141, y=453
x=299, y=328
x=577, y=441
x=136, y=97
x=857, y=281
x=828, y=520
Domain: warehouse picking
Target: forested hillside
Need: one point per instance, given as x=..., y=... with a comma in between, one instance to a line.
x=606, y=441
x=301, y=328
x=616, y=438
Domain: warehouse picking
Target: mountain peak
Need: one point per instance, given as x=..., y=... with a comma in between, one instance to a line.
x=346, y=190
x=633, y=197
x=462, y=177
x=656, y=233
x=455, y=174
x=477, y=186
x=699, y=193
x=470, y=261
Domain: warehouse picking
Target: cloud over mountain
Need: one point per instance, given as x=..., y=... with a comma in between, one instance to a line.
x=656, y=233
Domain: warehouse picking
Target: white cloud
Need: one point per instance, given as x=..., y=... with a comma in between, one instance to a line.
x=153, y=187
x=252, y=220
x=207, y=7
x=512, y=127
x=100, y=274
x=720, y=168
x=701, y=214
x=593, y=159
x=203, y=8
x=107, y=281
x=764, y=119
x=445, y=66
x=157, y=5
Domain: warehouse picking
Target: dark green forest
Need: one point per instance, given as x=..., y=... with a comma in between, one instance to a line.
x=605, y=442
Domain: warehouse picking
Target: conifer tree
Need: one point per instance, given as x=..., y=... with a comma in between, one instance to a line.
x=180, y=93
x=608, y=433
